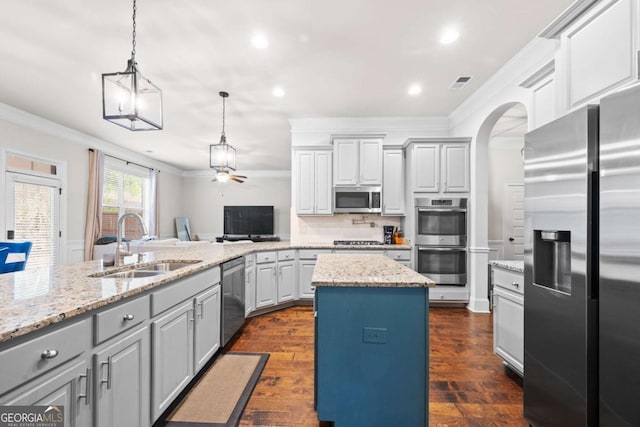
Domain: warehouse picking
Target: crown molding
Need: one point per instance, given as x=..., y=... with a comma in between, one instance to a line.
x=509, y=76
x=31, y=121
x=566, y=18
x=367, y=125
x=544, y=71
x=249, y=173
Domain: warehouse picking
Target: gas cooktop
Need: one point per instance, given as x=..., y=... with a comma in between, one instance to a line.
x=357, y=242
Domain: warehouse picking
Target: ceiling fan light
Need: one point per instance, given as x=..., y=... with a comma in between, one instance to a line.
x=222, y=176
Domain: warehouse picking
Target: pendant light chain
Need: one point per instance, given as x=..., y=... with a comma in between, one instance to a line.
x=129, y=99
x=223, y=114
x=133, y=50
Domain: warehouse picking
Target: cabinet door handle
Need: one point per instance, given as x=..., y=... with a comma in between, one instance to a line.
x=128, y=317
x=516, y=284
x=193, y=315
x=108, y=379
x=201, y=304
x=49, y=354
x=86, y=395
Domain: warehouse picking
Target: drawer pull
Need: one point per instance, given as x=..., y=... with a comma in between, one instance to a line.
x=128, y=317
x=516, y=284
x=49, y=354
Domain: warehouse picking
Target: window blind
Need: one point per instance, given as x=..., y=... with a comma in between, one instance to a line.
x=126, y=190
x=36, y=220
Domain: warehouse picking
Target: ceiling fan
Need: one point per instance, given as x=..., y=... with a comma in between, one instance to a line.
x=224, y=176
x=222, y=156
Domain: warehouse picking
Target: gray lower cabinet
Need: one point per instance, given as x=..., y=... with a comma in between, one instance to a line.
x=207, y=326
x=68, y=386
x=305, y=273
x=184, y=339
x=508, y=318
x=250, y=289
x=172, y=356
x=265, y=284
x=306, y=266
x=122, y=382
x=286, y=281
x=403, y=256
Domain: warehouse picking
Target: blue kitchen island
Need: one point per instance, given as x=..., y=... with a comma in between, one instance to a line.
x=371, y=342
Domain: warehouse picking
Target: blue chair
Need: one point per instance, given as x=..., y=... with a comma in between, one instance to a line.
x=7, y=248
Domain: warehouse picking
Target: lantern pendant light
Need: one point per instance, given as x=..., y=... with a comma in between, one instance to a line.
x=129, y=99
x=222, y=156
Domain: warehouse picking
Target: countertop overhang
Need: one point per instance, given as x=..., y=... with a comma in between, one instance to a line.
x=361, y=270
x=517, y=266
x=33, y=299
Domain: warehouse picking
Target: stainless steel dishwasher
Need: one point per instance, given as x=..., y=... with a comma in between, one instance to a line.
x=232, y=298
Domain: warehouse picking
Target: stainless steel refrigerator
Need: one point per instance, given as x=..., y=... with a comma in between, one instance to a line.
x=582, y=267
x=619, y=375
x=560, y=259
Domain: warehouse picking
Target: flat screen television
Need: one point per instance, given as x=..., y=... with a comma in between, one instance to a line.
x=248, y=220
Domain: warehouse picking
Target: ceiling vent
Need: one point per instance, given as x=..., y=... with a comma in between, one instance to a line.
x=460, y=82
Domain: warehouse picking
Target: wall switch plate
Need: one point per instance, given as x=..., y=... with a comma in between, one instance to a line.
x=374, y=335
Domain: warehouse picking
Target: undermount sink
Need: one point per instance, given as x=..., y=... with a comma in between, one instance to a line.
x=132, y=274
x=166, y=266
x=154, y=269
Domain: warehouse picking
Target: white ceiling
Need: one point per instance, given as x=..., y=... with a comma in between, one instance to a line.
x=334, y=58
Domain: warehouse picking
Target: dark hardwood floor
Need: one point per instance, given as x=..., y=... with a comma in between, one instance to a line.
x=468, y=384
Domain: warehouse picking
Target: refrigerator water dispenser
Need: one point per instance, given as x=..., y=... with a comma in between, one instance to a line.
x=552, y=260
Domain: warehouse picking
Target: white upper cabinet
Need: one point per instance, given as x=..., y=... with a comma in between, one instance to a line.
x=393, y=182
x=440, y=167
x=346, y=170
x=455, y=168
x=426, y=168
x=599, y=52
x=370, y=162
x=313, y=182
x=357, y=161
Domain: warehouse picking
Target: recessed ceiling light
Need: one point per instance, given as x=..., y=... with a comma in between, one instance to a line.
x=278, y=92
x=259, y=41
x=414, y=90
x=449, y=35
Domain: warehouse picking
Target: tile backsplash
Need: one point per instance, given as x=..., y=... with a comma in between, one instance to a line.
x=326, y=229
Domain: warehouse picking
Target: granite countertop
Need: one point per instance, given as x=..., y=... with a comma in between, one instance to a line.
x=517, y=266
x=346, y=270
x=33, y=299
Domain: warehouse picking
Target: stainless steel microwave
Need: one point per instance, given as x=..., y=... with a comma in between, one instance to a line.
x=357, y=199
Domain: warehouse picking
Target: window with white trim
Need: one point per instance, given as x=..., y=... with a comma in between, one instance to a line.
x=126, y=189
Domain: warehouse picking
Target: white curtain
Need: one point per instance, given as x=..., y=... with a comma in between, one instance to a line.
x=94, y=202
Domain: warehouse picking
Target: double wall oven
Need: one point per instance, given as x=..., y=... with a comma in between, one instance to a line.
x=441, y=239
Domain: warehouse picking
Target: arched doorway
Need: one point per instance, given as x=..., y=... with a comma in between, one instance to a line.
x=479, y=248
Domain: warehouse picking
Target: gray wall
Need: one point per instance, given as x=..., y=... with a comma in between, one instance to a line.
x=203, y=200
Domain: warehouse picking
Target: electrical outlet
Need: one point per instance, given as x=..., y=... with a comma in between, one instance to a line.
x=374, y=335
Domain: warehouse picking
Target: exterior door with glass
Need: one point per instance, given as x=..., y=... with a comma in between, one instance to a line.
x=33, y=214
